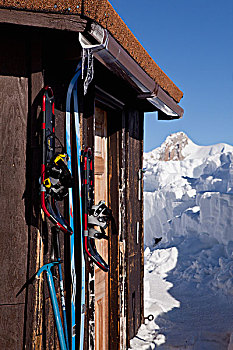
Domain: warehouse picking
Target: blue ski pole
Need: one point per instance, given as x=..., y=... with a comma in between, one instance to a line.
x=71, y=211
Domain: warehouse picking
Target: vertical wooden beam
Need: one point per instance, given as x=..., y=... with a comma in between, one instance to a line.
x=33, y=320
x=114, y=128
x=134, y=222
x=122, y=235
x=142, y=216
x=14, y=229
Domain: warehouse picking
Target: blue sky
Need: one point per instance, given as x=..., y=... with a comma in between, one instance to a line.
x=192, y=42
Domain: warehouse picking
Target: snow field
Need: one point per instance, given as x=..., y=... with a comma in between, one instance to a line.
x=189, y=275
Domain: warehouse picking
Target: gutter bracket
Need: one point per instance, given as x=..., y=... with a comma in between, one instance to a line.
x=145, y=96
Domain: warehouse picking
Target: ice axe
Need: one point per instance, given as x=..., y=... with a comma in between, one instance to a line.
x=47, y=268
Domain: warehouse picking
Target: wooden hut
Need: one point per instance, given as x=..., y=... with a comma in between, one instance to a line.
x=41, y=44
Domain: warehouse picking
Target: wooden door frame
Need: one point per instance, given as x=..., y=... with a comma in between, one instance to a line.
x=98, y=97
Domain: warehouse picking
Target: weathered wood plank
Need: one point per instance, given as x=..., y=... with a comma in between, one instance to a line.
x=13, y=229
x=122, y=235
x=11, y=326
x=114, y=127
x=134, y=222
x=141, y=226
x=34, y=296
x=72, y=23
x=101, y=193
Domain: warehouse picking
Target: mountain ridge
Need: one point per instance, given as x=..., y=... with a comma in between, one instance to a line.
x=178, y=146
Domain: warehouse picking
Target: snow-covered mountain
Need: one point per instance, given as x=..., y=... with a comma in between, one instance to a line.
x=178, y=146
x=191, y=194
x=188, y=201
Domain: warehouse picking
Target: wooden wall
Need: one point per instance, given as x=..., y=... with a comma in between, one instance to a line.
x=14, y=242
x=30, y=59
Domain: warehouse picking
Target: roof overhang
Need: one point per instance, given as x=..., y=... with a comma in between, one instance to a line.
x=109, y=52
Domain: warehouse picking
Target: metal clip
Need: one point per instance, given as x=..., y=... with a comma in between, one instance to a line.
x=140, y=177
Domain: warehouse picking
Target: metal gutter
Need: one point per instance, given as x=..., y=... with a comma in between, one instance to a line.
x=113, y=56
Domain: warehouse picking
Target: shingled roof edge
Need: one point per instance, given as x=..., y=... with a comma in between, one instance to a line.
x=105, y=15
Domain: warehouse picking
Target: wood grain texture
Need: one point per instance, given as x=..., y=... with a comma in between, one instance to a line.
x=101, y=193
x=114, y=127
x=123, y=235
x=34, y=295
x=71, y=23
x=11, y=319
x=13, y=229
x=134, y=219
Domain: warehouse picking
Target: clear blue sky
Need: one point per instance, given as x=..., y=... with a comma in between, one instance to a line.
x=192, y=42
